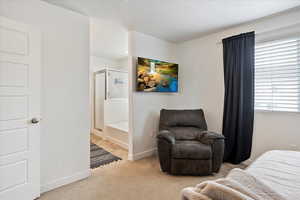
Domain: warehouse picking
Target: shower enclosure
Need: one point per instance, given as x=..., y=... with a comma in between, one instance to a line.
x=111, y=105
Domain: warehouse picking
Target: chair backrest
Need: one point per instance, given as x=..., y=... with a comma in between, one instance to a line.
x=182, y=118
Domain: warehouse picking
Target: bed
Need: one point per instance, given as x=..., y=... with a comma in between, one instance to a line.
x=273, y=176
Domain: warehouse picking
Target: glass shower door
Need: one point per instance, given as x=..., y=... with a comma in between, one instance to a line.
x=117, y=84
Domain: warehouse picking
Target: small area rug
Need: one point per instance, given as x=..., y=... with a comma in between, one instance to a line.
x=101, y=157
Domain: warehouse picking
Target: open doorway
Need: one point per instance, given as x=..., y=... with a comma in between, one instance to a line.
x=109, y=92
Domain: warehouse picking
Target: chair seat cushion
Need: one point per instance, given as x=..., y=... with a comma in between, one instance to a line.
x=191, y=149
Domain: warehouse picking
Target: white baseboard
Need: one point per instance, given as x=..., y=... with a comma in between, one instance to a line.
x=64, y=181
x=117, y=142
x=111, y=139
x=144, y=154
x=98, y=133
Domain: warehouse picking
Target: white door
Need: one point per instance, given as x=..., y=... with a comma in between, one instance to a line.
x=19, y=104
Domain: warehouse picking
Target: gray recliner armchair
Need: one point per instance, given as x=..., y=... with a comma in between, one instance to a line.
x=185, y=147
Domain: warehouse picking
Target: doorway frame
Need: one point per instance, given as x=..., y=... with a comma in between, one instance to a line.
x=93, y=99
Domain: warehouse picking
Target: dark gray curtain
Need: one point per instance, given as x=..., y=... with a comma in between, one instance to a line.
x=238, y=55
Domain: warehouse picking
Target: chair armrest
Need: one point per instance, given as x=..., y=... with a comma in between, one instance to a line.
x=216, y=141
x=165, y=141
x=209, y=137
x=166, y=135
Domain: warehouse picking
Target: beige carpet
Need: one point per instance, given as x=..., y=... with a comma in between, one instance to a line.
x=127, y=180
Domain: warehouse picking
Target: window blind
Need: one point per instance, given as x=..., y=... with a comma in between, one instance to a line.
x=277, y=75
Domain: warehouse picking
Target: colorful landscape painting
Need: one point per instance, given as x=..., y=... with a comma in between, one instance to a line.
x=156, y=76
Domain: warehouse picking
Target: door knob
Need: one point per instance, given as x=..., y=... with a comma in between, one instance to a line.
x=35, y=120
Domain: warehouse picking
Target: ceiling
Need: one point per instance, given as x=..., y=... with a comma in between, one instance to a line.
x=178, y=20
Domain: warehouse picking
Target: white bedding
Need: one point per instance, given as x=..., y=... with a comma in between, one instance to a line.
x=238, y=185
x=280, y=170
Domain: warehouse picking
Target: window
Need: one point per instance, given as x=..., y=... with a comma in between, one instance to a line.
x=277, y=75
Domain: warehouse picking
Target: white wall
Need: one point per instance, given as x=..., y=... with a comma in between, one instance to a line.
x=123, y=63
x=145, y=107
x=98, y=63
x=202, y=60
x=108, y=39
x=65, y=88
